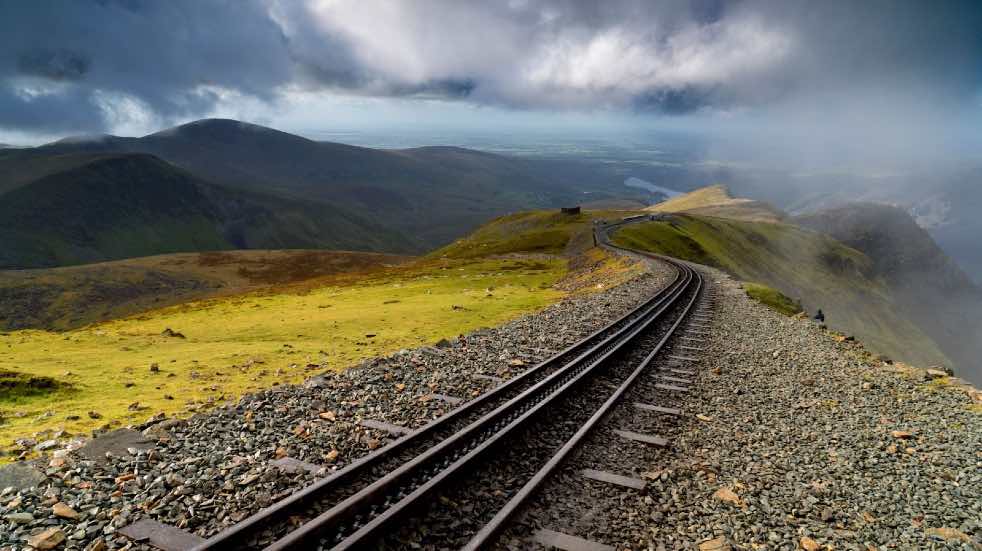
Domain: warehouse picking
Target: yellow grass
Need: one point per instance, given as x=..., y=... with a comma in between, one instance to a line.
x=247, y=342
x=702, y=197
x=717, y=201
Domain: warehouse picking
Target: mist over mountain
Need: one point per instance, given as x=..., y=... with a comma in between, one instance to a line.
x=809, y=106
x=246, y=244
x=943, y=199
x=927, y=286
x=790, y=102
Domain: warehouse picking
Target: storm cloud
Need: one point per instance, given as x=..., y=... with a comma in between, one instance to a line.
x=99, y=65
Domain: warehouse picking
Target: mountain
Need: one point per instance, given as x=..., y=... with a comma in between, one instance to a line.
x=951, y=215
x=431, y=195
x=870, y=267
x=943, y=198
x=88, y=207
x=926, y=284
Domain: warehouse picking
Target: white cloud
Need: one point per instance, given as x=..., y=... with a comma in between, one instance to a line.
x=534, y=54
x=125, y=114
x=628, y=62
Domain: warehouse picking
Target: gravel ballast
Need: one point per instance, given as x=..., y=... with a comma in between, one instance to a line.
x=208, y=472
x=793, y=437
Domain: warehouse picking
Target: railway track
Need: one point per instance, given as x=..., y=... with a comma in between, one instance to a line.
x=533, y=420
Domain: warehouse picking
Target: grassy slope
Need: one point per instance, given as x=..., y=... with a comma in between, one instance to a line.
x=74, y=296
x=928, y=286
x=703, y=197
x=286, y=329
x=716, y=201
x=248, y=341
x=547, y=232
x=122, y=206
x=805, y=265
x=772, y=298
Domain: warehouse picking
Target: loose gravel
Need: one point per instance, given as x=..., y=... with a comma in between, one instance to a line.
x=793, y=437
x=208, y=472
x=462, y=509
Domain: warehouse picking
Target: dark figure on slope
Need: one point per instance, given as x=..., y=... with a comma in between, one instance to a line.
x=820, y=316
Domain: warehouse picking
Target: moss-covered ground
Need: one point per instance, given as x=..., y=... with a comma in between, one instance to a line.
x=772, y=298
x=526, y=232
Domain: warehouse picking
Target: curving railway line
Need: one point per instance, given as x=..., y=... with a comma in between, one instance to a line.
x=458, y=481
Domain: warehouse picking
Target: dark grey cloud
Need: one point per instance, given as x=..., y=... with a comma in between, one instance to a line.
x=164, y=55
x=678, y=101
x=91, y=63
x=54, y=65
x=73, y=111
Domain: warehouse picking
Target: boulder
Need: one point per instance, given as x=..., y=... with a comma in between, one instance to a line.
x=20, y=476
x=48, y=539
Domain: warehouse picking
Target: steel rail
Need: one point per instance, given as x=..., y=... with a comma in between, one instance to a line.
x=409, y=484
x=490, y=531
x=238, y=535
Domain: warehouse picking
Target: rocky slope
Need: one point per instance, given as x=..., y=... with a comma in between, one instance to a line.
x=792, y=437
x=819, y=445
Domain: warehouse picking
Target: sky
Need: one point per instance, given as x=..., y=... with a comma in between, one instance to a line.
x=889, y=79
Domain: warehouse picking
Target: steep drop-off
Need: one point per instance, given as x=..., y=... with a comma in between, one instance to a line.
x=927, y=286
x=802, y=264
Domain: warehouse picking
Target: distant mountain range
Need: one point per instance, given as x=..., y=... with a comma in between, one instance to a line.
x=111, y=206
x=221, y=184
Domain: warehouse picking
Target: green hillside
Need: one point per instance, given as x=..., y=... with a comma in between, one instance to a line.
x=805, y=265
x=105, y=207
x=547, y=232
x=430, y=195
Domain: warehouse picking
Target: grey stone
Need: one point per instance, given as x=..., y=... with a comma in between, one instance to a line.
x=20, y=476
